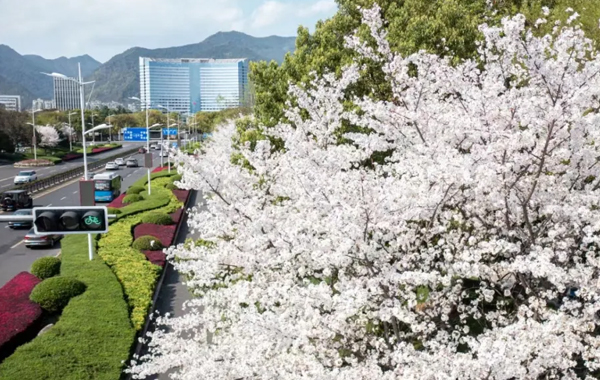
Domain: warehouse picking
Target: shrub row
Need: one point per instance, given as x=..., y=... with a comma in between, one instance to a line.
x=17, y=313
x=137, y=275
x=45, y=267
x=93, y=335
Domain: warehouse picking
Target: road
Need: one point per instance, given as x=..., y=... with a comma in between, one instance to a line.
x=15, y=257
x=8, y=172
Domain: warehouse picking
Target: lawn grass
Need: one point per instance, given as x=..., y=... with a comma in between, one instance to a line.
x=93, y=335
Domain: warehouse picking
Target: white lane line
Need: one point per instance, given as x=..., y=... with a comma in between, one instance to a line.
x=49, y=205
x=8, y=184
x=16, y=245
x=63, y=198
x=5, y=179
x=75, y=192
x=6, y=227
x=128, y=175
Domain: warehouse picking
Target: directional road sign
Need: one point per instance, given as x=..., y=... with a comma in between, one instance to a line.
x=169, y=131
x=134, y=134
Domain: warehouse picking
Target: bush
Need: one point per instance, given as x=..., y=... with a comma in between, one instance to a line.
x=53, y=294
x=135, y=190
x=144, y=243
x=113, y=210
x=171, y=186
x=131, y=198
x=45, y=267
x=176, y=177
x=156, y=217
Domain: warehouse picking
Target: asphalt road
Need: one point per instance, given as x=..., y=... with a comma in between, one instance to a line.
x=15, y=257
x=8, y=172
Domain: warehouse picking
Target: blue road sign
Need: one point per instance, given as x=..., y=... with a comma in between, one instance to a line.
x=174, y=145
x=169, y=132
x=134, y=134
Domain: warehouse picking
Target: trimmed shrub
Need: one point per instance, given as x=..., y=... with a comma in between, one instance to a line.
x=176, y=177
x=113, y=210
x=53, y=294
x=144, y=243
x=156, y=217
x=132, y=198
x=171, y=186
x=135, y=190
x=165, y=234
x=45, y=267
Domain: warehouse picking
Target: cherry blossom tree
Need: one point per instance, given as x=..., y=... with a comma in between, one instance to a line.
x=48, y=135
x=469, y=252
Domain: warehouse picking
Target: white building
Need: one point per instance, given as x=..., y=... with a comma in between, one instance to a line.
x=41, y=104
x=10, y=102
x=66, y=94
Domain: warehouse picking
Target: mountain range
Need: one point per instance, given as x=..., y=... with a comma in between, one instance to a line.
x=118, y=78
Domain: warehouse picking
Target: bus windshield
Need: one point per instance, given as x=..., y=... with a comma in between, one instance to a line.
x=102, y=184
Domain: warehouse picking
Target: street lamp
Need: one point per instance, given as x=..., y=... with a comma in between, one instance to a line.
x=147, y=105
x=148, y=148
x=71, y=132
x=81, y=84
x=34, y=139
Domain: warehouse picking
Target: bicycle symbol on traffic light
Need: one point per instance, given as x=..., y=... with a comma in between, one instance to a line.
x=90, y=219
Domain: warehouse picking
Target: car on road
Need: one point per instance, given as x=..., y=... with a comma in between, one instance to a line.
x=142, y=150
x=34, y=240
x=119, y=161
x=111, y=166
x=15, y=199
x=154, y=146
x=164, y=153
x=131, y=163
x=25, y=176
x=22, y=224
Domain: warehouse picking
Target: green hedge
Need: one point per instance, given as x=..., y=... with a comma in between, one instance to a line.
x=45, y=267
x=134, y=190
x=132, y=198
x=147, y=243
x=136, y=274
x=156, y=217
x=114, y=210
x=93, y=335
x=53, y=294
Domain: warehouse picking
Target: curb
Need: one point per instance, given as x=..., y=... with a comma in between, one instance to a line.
x=142, y=334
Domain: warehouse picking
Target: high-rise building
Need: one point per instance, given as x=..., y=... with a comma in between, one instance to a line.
x=41, y=104
x=191, y=85
x=66, y=94
x=10, y=102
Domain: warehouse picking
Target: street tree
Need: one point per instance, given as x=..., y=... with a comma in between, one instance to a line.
x=48, y=136
x=471, y=252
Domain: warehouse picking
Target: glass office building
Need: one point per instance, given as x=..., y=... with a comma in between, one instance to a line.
x=191, y=85
x=66, y=94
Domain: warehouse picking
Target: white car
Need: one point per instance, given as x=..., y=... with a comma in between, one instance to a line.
x=120, y=162
x=111, y=166
x=164, y=153
x=25, y=176
x=154, y=146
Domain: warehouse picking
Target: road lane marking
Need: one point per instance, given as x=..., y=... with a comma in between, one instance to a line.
x=49, y=205
x=6, y=226
x=75, y=192
x=128, y=175
x=6, y=179
x=18, y=244
x=63, y=198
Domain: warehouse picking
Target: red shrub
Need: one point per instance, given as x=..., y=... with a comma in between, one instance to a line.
x=72, y=156
x=181, y=195
x=159, y=169
x=17, y=312
x=118, y=202
x=100, y=150
x=156, y=257
x=165, y=234
x=176, y=216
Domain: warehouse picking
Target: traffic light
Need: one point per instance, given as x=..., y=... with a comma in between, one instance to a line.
x=70, y=220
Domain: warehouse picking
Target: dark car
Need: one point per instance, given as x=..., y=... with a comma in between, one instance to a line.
x=33, y=240
x=16, y=199
x=22, y=224
x=142, y=150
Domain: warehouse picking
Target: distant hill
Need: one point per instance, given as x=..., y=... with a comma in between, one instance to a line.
x=21, y=74
x=118, y=78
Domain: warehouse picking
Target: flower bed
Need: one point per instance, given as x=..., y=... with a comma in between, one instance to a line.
x=176, y=216
x=118, y=202
x=34, y=163
x=182, y=195
x=72, y=156
x=165, y=234
x=17, y=313
x=156, y=257
x=100, y=150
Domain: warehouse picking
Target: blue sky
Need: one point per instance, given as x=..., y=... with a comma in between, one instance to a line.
x=104, y=28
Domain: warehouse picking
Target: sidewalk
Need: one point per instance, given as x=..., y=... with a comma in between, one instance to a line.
x=173, y=293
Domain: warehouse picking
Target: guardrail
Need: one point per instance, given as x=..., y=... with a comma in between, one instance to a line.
x=57, y=179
